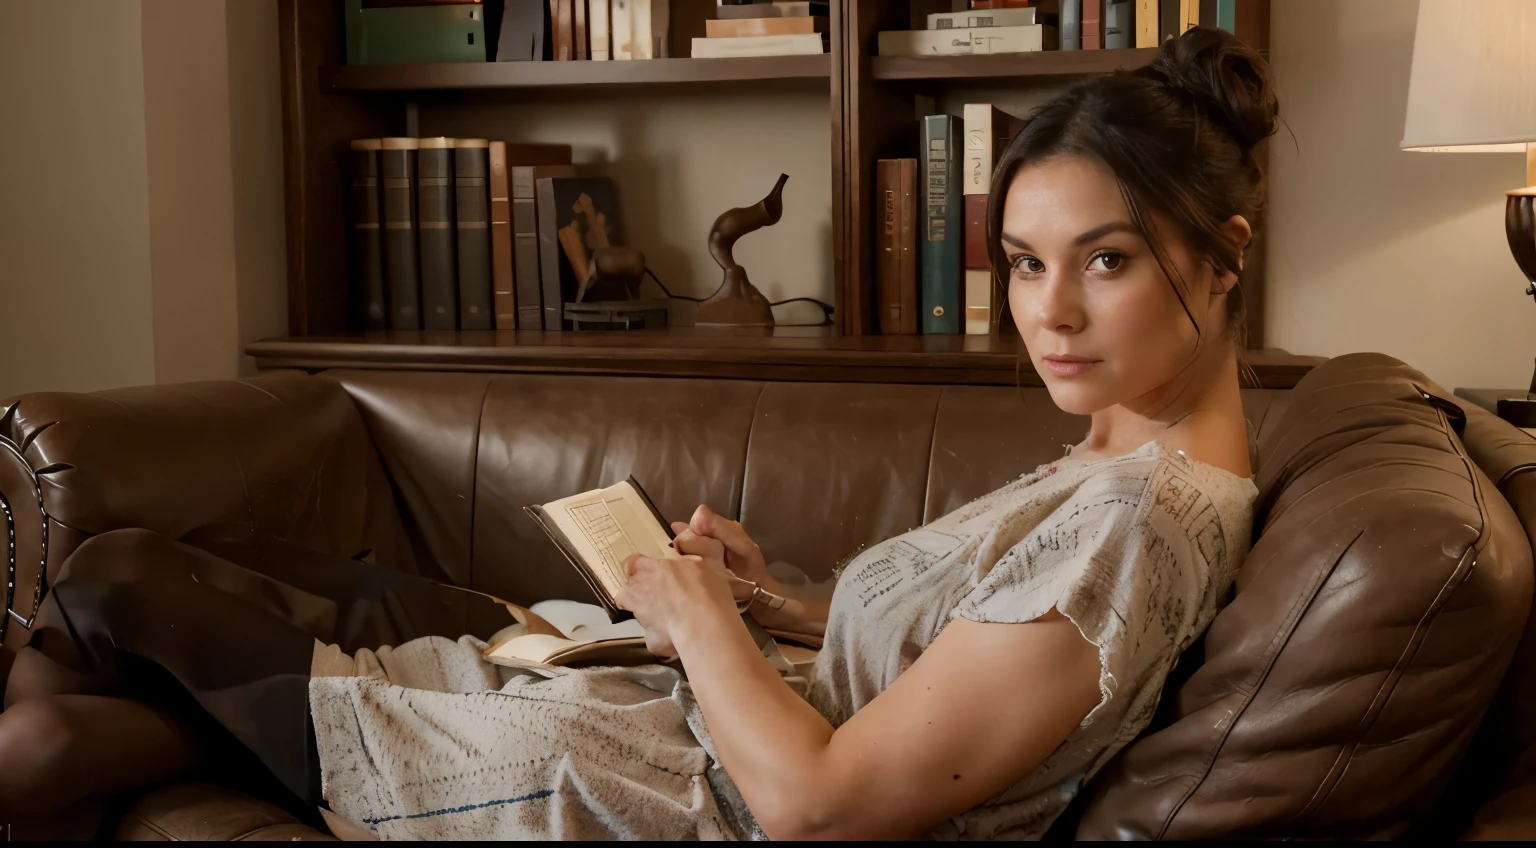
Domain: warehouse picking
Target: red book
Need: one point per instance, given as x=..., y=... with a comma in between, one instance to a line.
x=1093, y=24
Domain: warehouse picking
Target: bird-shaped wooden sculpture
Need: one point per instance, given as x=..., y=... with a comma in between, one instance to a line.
x=737, y=302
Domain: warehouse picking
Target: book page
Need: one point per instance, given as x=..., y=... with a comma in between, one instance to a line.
x=606, y=526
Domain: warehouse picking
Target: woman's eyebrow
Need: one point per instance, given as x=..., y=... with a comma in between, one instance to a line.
x=1092, y=235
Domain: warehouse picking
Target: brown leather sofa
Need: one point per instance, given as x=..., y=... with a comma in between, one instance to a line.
x=1358, y=685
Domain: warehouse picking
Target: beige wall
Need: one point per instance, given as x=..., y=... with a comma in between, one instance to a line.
x=142, y=241
x=1373, y=248
x=75, y=299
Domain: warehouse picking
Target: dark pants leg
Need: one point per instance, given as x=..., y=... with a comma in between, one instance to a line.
x=237, y=638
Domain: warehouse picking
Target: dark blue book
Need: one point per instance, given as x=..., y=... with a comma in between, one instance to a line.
x=943, y=238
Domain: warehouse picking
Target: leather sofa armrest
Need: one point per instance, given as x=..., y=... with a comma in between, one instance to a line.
x=203, y=812
x=281, y=456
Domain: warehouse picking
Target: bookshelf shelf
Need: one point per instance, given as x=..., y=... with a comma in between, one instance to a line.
x=807, y=354
x=1008, y=65
x=505, y=75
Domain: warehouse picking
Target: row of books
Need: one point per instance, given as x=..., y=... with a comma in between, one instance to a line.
x=764, y=28
x=602, y=30
x=931, y=233
x=471, y=234
x=1011, y=27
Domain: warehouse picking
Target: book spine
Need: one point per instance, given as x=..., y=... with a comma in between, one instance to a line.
x=888, y=261
x=401, y=263
x=982, y=18
x=1226, y=15
x=1146, y=23
x=1117, y=24
x=1168, y=20
x=597, y=30
x=643, y=45
x=907, y=212
x=760, y=45
x=948, y=42
x=661, y=28
x=472, y=225
x=1071, y=24
x=1189, y=15
x=560, y=30
x=525, y=252
x=550, y=290
x=621, y=26
x=434, y=215
x=368, y=235
x=975, y=230
x=1093, y=24
x=503, y=296
x=765, y=26
x=579, y=28
x=978, y=301
x=942, y=226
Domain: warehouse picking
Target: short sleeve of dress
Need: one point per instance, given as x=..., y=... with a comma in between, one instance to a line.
x=1129, y=559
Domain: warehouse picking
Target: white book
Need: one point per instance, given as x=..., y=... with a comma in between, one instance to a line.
x=597, y=31
x=964, y=42
x=981, y=136
x=978, y=301
x=776, y=9
x=650, y=20
x=760, y=45
x=621, y=27
x=982, y=18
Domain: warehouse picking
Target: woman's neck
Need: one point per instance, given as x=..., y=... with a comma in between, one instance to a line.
x=1200, y=411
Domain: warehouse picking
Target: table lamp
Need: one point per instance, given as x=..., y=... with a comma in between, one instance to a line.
x=1472, y=89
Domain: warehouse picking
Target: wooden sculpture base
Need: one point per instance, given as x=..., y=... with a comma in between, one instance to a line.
x=737, y=303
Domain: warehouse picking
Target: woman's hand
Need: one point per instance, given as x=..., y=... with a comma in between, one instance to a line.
x=671, y=594
x=723, y=541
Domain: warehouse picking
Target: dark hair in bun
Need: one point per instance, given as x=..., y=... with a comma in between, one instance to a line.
x=1178, y=135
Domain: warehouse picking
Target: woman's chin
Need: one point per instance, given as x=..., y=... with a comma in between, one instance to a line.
x=1076, y=397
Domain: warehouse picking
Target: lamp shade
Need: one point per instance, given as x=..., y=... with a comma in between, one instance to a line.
x=1473, y=83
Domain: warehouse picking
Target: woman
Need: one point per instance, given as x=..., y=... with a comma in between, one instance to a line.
x=977, y=671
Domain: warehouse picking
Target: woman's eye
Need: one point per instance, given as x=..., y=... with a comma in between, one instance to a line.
x=1028, y=265
x=1107, y=261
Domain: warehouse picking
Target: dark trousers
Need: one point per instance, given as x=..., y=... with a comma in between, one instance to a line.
x=227, y=631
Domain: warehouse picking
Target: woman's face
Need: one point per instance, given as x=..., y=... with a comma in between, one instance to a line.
x=1098, y=316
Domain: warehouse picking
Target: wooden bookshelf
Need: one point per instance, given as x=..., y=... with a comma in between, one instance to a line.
x=1007, y=66
x=786, y=353
x=872, y=106
x=504, y=75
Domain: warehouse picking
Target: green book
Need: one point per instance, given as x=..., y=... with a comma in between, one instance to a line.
x=943, y=227
x=399, y=34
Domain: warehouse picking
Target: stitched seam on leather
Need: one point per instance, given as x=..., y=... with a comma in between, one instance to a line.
x=1420, y=631
x=255, y=835
x=169, y=837
x=933, y=439
x=474, y=480
x=1514, y=472
x=746, y=453
x=1277, y=648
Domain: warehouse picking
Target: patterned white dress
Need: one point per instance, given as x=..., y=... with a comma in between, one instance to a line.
x=426, y=741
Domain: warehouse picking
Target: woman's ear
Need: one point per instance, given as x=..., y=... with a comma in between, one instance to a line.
x=1239, y=233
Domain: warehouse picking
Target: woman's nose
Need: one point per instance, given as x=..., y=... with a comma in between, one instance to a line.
x=1060, y=307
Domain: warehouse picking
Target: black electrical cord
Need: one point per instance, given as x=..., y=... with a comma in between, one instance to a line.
x=826, y=309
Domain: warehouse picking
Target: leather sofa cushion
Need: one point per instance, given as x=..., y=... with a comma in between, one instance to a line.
x=203, y=812
x=1372, y=623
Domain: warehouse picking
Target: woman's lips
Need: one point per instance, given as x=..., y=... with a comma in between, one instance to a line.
x=1069, y=366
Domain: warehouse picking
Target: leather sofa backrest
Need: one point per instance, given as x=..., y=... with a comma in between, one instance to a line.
x=816, y=471
x=1372, y=624
x=281, y=456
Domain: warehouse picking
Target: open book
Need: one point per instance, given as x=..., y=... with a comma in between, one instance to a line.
x=562, y=632
x=599, y=529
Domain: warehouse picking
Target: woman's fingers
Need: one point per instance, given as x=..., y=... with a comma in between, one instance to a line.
x=689, y=542
x=730, y=533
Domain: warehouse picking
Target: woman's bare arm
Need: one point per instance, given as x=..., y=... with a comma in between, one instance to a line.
x=980, y=709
